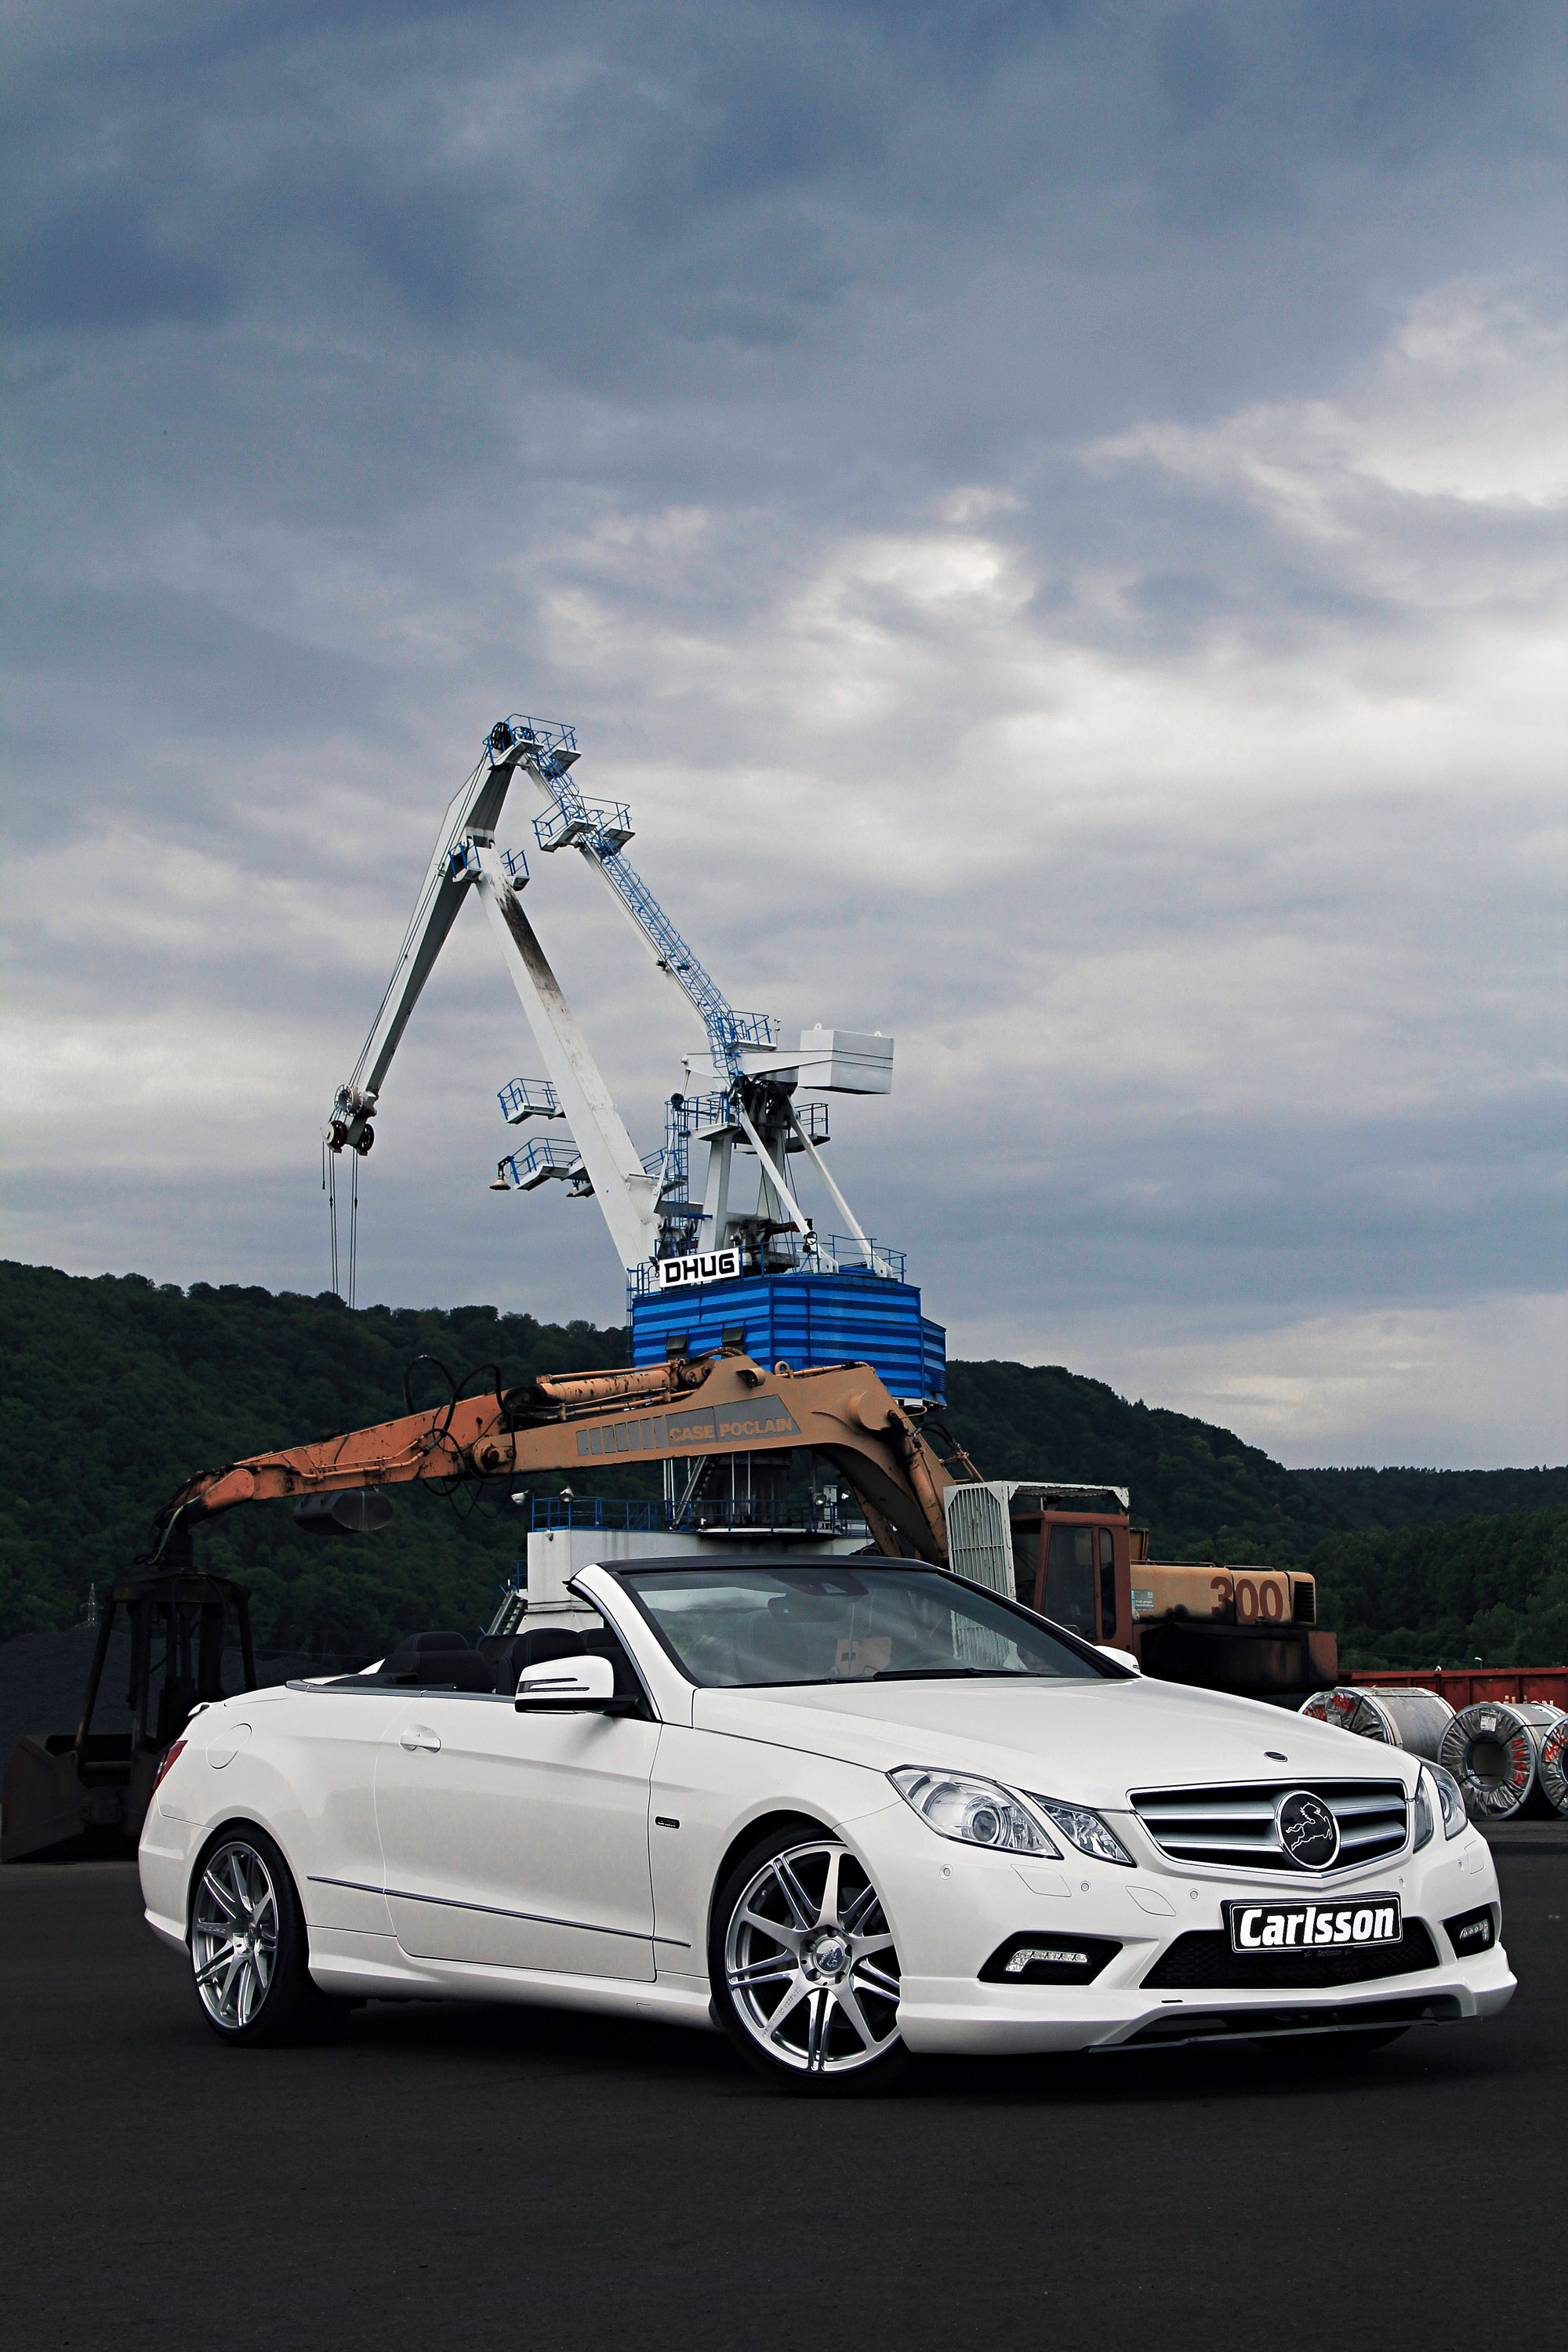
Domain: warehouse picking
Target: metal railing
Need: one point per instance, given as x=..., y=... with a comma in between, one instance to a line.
x=606, y=823
x=600, y=829
x=602, y=1511
x=529, y=1098
x=821, y=1515
x=763, y=1515
x=536, y=1162
x=839, y=1255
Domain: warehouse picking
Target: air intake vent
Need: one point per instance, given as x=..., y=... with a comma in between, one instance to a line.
x=1303, y=1601
x=1237, y=1828
x=1203, y=1962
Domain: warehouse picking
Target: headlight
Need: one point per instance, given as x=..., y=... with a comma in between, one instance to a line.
x=1087, y=1830
x=1426, y=1811
x=1451, y=1796
x=976, y=1813
x=1437, y=1793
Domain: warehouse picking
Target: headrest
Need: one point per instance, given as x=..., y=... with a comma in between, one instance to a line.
x=544, y=1643
x=807, y=1608
x=463, y=1670
x=423, y=1657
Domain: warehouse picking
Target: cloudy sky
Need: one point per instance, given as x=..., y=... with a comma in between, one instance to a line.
x=1053, y=515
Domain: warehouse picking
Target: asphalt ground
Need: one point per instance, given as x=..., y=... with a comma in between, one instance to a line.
x=475, y=2177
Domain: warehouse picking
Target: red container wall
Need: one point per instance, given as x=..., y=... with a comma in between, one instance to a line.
x=1467, y=1686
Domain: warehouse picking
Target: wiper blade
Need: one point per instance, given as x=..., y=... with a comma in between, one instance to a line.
x=920, y=1673
x=949, y=1674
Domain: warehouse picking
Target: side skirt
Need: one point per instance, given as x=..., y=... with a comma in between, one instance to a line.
x=368, y=1968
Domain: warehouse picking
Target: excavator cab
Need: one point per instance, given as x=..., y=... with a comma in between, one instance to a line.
x=1074, y=1567
x=1071, y=1552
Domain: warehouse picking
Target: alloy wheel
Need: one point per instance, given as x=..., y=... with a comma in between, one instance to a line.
x=234, y=1935
x=810, y=1964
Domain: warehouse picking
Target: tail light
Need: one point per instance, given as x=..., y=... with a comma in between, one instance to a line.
x=170, y=1756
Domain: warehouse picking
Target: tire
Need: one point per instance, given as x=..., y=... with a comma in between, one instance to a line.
x=249, y=1946
x=803, y=1966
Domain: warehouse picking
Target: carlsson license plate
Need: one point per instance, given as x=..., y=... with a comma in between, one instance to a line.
x=1373, y=1921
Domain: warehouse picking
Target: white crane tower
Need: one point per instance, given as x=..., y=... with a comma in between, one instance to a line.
x=723, y=1260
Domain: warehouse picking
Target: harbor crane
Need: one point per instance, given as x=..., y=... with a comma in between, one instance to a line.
x=755, y=1341
x=710, y=1259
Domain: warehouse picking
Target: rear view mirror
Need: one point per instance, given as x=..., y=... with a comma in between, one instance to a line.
x=585, y=1683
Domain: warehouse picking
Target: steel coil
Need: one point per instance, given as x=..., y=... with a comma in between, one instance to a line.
x=1551, y=1767
x=1414, y=1719
x=1335, y=1706
x=1493, y=1751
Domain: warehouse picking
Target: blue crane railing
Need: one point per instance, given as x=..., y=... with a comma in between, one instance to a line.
x=600, y=829
x=536, y=1162
x=824, y=1253
x=527, y=1098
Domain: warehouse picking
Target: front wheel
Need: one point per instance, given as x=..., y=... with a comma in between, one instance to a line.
x=249, y=1950
x=804, y=1972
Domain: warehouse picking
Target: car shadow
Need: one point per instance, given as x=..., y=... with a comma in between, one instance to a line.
x=556, y=2042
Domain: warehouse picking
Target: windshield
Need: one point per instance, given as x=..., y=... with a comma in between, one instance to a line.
x=826, y=1623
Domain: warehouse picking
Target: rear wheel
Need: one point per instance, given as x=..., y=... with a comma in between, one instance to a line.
x=249, y=1950
x=804, y=1972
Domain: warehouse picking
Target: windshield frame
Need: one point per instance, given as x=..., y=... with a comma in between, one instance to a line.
x=1100, y=1667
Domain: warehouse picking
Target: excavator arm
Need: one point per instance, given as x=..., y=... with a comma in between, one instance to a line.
x=63, y=1792
x=710, y=1406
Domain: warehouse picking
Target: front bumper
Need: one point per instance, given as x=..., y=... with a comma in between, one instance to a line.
x=952, y=1906
x=938, y=2014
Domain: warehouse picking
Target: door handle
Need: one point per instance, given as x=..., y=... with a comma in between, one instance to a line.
x=418, y=1735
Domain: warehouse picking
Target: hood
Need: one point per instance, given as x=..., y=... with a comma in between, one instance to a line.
x=1088, y=1742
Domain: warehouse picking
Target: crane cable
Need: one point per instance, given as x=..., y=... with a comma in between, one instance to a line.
x=354, y=1230
x=329, y=1187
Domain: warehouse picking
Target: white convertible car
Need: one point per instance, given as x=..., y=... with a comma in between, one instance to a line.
x=845, y=1810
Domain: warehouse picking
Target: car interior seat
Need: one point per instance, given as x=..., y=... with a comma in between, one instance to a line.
x=603, y=1642
x=536, y=1648
x=546, y=1642
x=438, y=1661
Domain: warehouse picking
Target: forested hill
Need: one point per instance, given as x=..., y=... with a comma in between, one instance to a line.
x=1427, y=1498
x=1203, y=1492
x=113, y=1390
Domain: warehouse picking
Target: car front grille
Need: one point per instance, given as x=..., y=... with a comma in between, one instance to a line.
x=1235, y=1827
x=1202, y=1962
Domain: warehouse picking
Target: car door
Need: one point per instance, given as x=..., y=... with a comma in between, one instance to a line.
x=517, y=1840
x=304, y=1760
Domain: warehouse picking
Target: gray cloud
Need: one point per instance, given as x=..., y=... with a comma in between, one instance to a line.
x=1054, y=516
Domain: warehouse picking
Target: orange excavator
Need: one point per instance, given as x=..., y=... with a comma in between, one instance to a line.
x=1069, y=1551
x=85, y=1791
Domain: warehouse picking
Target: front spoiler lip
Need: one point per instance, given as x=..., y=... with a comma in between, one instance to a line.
x=941, y=2016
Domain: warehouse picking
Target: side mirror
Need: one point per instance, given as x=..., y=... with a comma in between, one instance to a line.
x=566, y=1685
x=1122, y=1657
